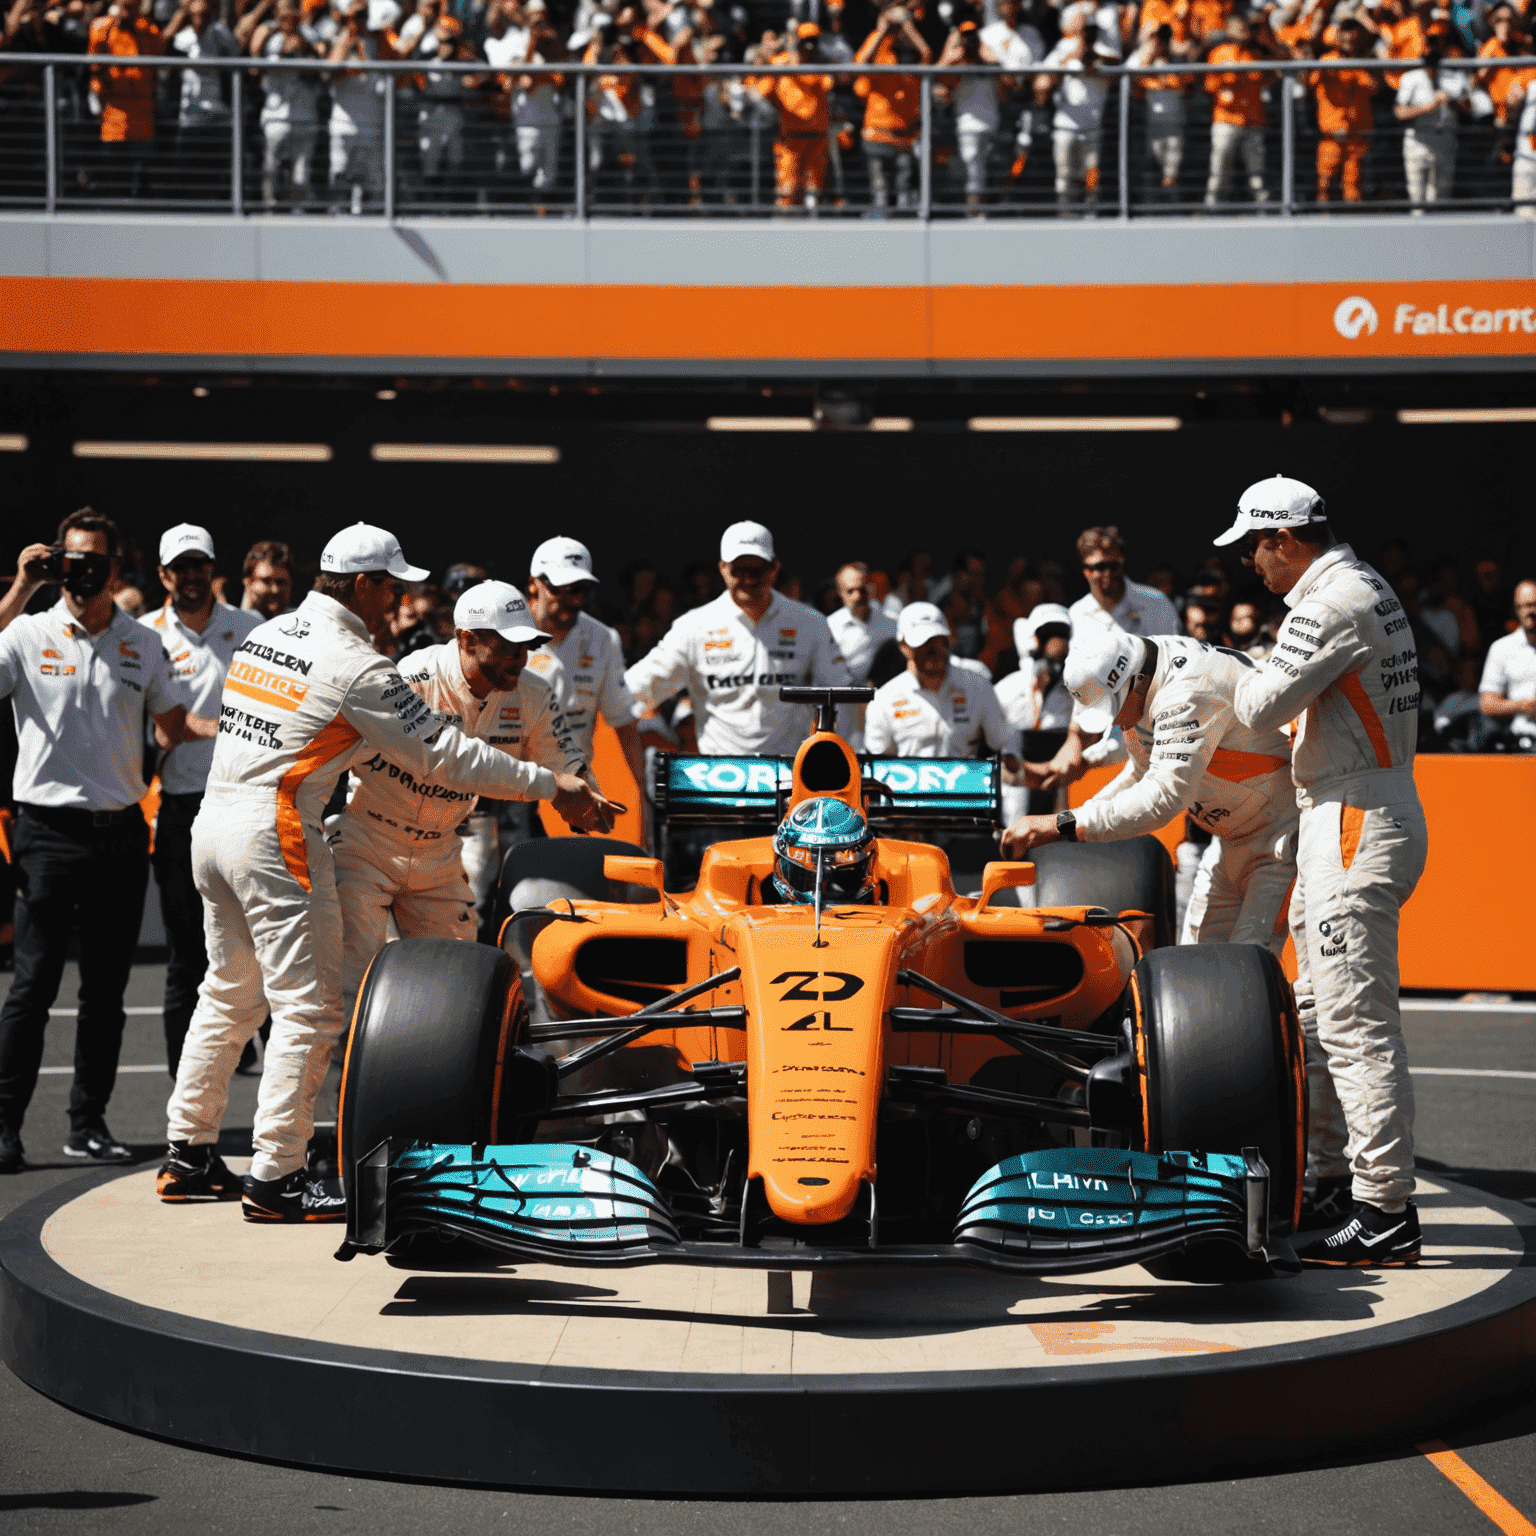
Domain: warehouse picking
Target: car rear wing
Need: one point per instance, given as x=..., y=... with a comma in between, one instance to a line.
x=902, y=794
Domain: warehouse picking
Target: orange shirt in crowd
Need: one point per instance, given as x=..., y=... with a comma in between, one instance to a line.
x=894, y=102
x=1502, y=81
x=127, y=94
x=1343, y=98
x=801, y=100
x=1239, y=97
x=1209, y=18
x=1173, y=14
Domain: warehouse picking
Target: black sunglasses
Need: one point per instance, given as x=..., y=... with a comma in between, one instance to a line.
x=1106, y=565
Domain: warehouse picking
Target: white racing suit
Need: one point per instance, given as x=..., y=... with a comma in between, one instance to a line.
x=305, y=697
x=1191, y=754
x=398, y=849
x=733, y=670
x=1345, y=665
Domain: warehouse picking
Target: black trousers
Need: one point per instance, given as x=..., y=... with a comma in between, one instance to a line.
x=72, y=873
x=181, y=908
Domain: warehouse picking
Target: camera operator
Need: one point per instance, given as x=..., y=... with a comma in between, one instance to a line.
x=82, y=677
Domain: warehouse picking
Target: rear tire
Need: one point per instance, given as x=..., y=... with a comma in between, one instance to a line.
x=437, y=1020
x=1135, y=875
x=1221, y=1068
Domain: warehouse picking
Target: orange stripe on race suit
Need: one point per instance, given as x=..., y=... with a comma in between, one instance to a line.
x=328, y=744
x=1351, y=825
x=1236, y=767
x=1283, y=917
x=1354, y=690
x=273, y=700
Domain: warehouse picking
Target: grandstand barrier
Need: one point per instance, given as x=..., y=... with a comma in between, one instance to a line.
x=441, y=144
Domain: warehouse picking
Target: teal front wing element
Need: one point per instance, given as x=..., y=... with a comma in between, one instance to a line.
x=1107, y=1200
x=544, y=1197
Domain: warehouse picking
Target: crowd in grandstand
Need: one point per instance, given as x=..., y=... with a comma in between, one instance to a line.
x=502, y=135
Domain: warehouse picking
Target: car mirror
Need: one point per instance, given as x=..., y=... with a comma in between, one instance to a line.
x=627, y=870
x=1002, y=877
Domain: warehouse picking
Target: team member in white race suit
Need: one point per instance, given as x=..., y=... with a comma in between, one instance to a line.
x=733, y=654
x=1195, y=758
x=397, y=849
x=306, y=696
x=1344, y=667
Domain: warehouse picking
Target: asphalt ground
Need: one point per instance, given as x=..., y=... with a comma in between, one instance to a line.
x=61, y=1472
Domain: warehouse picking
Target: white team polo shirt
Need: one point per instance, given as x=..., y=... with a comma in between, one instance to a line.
x=593, y=661
x=733, y=670
x=1510, y=672
x=857, y=641
x=905, y=718
x=199, y=662
x=81, y=703
x=1141, y=611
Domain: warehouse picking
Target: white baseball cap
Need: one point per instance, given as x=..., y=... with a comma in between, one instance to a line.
x=1275, y=503
x=364, y=548
x=1025, y=629
x=562, y=561
x=1101, y=666
x=746, y=539
x=919, y=623
x=185, y=539
x=500, y=606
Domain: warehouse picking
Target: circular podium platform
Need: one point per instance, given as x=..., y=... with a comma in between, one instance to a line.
x=187, y=1322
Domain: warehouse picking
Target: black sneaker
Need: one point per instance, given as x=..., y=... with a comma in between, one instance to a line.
x=297, y=1196
x=195, y=1173
x=98, y=1143
x=1329, y=1203
x=13, y=1156
x=1368, y=1238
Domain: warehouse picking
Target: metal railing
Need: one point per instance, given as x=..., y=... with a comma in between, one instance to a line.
x=446, y=139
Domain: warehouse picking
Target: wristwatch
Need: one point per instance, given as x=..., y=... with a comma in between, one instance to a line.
x=1066, y=826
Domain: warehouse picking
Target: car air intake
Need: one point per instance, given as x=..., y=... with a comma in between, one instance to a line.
x=1024, y=971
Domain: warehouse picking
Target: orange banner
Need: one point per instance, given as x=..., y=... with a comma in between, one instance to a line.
x=464, y=320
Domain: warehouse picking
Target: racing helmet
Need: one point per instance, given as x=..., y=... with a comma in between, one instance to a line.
x=1101, y=666
x=829, y=832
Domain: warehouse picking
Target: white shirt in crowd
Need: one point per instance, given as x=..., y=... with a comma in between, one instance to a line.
x=907, y=720
x=1080, y=96
x=1525, y=139
x=1017, y=47
x=733, y=669
x=81, y=704
x=1417, y=89
x=591, y=659
x=859, y=640
x=357, y=99
x=290, y=94
x=538, y=108
x=202, y=94
x=199, y=663
x=1024, y=706
x=1141, y=611
x=1510, y=672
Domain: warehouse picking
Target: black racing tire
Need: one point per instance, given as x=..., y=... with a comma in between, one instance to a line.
x=436, y=1021
x=1221, y=1068
x=1135, y=875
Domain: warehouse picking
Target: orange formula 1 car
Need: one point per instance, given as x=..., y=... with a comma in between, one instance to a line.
x=823, y=1054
